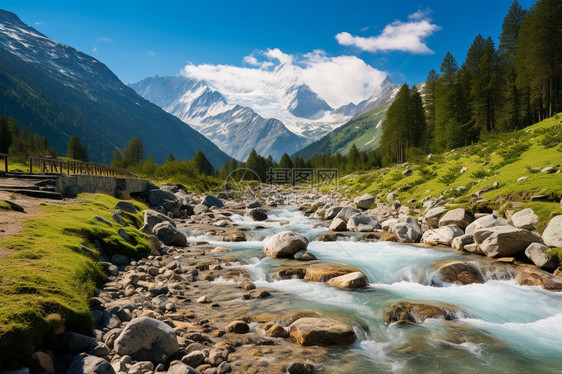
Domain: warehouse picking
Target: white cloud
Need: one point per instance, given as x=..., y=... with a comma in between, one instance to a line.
x=95, y=49
x=104, y=39
x=38, y=23
x=338, y=80
x=398, y=36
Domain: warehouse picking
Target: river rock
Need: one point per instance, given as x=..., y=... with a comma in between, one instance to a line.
x=238, y=327
x=459, y=217
x=415, y=313
x=456, y=272
x=322, y=272
x=432, y=216
x=322, y=332
x=181, y=368
x=363, y=222
x=82, y=343
x=285, y=244
x=525, y=219
x=338, y=224
x=193, y=359
x=537, y=253
x=86, y=364
x=147, y=339
x=346, y=213
x=126, y=206
x=152, y=218
x=200, y=208
x=350, y=281
x=364, y=201
x=331, y=213
x=169, y=235
x=408, y=231
x=158, y=197
x=303, y=255
x=537, y=277
x=504, y=241
x=277, y=331
x=443, y=235
x=489, y=220
x=552, y=235
x=211, y=201
x=258, y=214
x=330, y=237
x=460, y=242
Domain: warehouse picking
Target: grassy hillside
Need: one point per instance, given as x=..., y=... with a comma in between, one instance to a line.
x=365, y=131
x=502, y=158
x=47, y=278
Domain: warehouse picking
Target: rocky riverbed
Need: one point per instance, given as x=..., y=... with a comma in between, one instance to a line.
x=256, y=287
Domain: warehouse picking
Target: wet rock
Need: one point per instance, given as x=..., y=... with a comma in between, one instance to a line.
x=432, y=216
x=152, y=218
x=86, y=364
x=330, y=237
x=415, y=313
x=503, y=241
x=346, y=213
x=322, y=272
x=408, y=231
x=256, y=294
x=322, y=332
x=258, y=214
x=126, y=206
x=147, y=339
x=338, y=224
x=169, y=235
x=525, y=219
x=349, y=281
x=363, y=223
x=204, y=300
x=489, y=220
x=277, y=331
x=234, y=236
x=459, y=217
x=297, y=368
x=443, y=235
x=238, y=327
x=247, y=286
x=253, y=205
x=292, y=272
x=364, y=201
x=460, y=242
x=456, y=272
x=537, y=253
x=303, y=255
x=536, y=277
x=211, y=201
x=284, y=244
x=552, y=235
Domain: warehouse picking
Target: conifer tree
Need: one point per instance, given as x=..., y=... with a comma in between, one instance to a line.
x=202, y=164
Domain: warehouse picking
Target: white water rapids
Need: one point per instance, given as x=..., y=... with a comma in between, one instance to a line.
x=509, y=328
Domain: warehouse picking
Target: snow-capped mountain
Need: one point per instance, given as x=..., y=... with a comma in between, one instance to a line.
x=233, y=128
x=284, y=119
x=56, y=91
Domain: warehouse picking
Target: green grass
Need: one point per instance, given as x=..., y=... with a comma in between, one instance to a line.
x=501, y=158
x=48, y=274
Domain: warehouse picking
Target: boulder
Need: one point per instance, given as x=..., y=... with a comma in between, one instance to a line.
x=238, y=327
x=346, y=213
x=82, y=343
x=158, y=197
x=537, y=253
x=460, y=242
x=363, y=222
x=504, y=241
x=178, y=367
x=126, y=206
x=285, y=244
x=415, y=313
x=459, y=217
x=552, y=235
x=351, y=280
x=408, y=231
x=322, y=332
x=456, y=272
x=200, y=208
x=489, y=220
x=147, y=339
x=330, y=237
x=338, y=224
x=277, y=331
x=331, y=213
x=86, y=364
x=364, y=201
x=211, y=201
x=169, y=235
x=152, y=218
x=537, y=277
x=258, y=214
x=432, y=216
x=525, y=219
x=303, y=255
x=442, y=236
x=322, y=272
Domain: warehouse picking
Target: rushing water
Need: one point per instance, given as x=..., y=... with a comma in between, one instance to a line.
x=507, y=327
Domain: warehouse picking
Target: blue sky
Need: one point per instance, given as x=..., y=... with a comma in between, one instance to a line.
x=121, y=33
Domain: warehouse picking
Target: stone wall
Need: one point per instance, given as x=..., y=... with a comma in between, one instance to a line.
x=73, y=184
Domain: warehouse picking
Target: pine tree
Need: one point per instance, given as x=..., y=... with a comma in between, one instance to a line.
x=134, y=153
x=171, y=158
x=223, y=172
x=429, y=105
x=447, y=104
x=285, y=162
x=5, y=135
x=117, y=159
x=418, y=124
x=202, y=164
x=75, y=149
